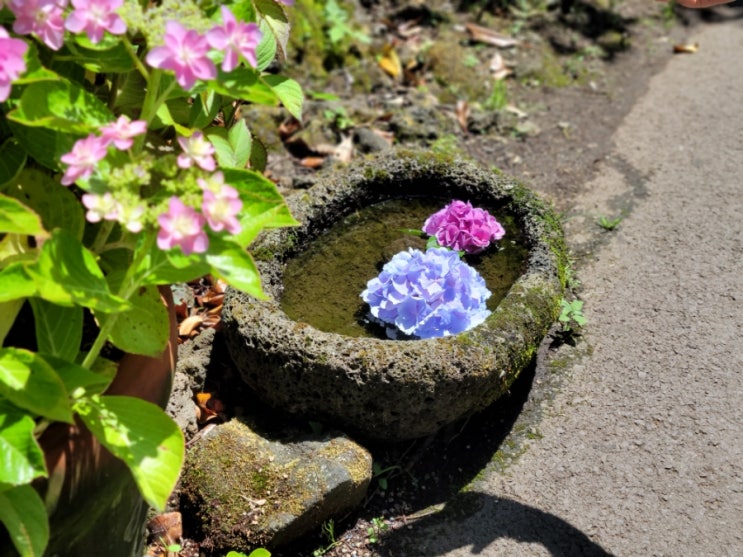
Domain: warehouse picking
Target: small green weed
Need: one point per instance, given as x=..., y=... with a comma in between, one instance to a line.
x=609, y=224
x=260, y=552
x=338, y=27
x=381, y=474
x=571, y=315
x=338, y=117
x=378, y=525
x=328, y=530
x=498, y=98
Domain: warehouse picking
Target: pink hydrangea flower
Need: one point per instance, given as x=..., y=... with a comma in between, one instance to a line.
x=198, y=150
x=12, y=63
x=287, y=2
x=185, y=53
x=236, y=39
x=43, y=18
x=182, y=226
x=95, y=17
x=100, y=207
x=121, y=132
x=221, y=206
x=82, y=160
x=461, y=227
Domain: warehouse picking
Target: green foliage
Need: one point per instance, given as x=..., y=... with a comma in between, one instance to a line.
x=338, y=28
x=260, y=552
x=498, y=98
x=378, y=525
x=571, y=315
x=328, y=530
x=609, y=224
x=63, y=265
x=381, y=474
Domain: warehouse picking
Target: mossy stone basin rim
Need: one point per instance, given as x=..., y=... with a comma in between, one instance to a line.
x=395, y=390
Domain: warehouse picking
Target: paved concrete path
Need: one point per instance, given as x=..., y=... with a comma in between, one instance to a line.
x=642, y=450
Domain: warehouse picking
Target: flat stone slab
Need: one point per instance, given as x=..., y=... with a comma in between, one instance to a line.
x=249, y=491
x=383, y=389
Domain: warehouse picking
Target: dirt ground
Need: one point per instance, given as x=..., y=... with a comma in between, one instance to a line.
x=487, y=485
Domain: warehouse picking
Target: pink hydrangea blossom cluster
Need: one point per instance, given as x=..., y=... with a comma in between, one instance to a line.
x=12, y=62
x=88, y=152
x=186, y=52
x=461, y=227
x=46, y=19
x=183, y=226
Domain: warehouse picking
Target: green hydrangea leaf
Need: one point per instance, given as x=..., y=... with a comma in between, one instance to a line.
x=263, y=205
x=55, y=204
x=289, y=93
x=265, y=52
x=244, y=83
x=159, y=267
x=66, y=273
x=61, y=106
x=16, y=283
x=28, y=382
x=24, y=515
x=12, y=160
x=80, y=381
x=235, y=265
x=232, y=147
x=59, y=329
x=21, y=458
x=16, y=218
x=144, y=329
x=274, y=16
x=141, y=435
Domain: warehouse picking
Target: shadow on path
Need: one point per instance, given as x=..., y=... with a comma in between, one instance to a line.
x=476, y=520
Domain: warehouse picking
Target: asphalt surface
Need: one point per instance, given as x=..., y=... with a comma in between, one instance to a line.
x=641, y=451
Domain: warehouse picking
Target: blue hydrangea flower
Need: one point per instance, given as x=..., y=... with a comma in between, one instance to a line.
x=431, y=294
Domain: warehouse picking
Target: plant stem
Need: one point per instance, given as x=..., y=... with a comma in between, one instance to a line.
x=128, y=287
x=103, y=233
x=137, y=62
x=149, y=106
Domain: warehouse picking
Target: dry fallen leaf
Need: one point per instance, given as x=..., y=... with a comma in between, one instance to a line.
x=344, y=150
x=312, y=162
x=390, y=62
x=488, y=36
x=189, y=325
x=688, y=48
x=166, y=528
x=498, y=67
x=208, y=407
x=463, y=112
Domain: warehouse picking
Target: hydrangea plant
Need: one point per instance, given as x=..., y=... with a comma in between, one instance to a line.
x=462, y=227
x=125, y=164
x=428, y=294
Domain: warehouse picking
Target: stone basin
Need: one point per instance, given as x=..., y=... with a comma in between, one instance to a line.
x=394, y=389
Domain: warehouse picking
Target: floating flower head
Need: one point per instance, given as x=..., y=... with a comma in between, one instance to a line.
x=185, y=53
x=431, y=294
x=12, y=63
x=461, y=227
